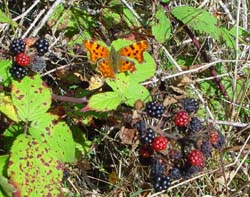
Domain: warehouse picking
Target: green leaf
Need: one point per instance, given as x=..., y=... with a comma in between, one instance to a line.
x=162, y=28
x=10, y=135
x=31, y=98
x=4, y=72
x=136, y=92
x=7, y=107
x=6, y=187
x=3, y=162
x=6, y=19
x=105, y=101
x=33, y=170
x=56, y=135
x=145, y=70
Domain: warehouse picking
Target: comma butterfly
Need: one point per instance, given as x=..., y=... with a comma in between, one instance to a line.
x=109, y=62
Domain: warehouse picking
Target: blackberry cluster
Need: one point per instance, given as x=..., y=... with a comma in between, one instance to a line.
x=190, y=105
x=17, y=46
x=195, y=125
x=42, y=46
x=182, y=156
x=18, y=72
x=154, y=109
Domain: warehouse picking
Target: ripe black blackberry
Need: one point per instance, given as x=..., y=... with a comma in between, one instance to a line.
x=42, y=46
x=206, y=148
x=161, y=183
x=190, y=105
x=18, y=72
x=17, y=46
x=175, y=173
x=190, y=171
x=158, y=168
x=147, y=136
x=154, y=109
x=195, y=125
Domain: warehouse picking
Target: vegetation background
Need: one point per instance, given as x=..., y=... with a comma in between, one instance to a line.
x=198, y=49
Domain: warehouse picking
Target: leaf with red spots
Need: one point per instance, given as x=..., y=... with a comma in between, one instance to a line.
x=57, y=135
x=31, y=97
x=33, y=169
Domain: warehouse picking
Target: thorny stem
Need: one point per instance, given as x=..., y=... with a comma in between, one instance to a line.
x=203, y=53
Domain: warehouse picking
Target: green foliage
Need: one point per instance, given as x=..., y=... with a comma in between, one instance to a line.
x=4, y=72
x=162, y=27
x=33, y=169
x=126, y=87
x=6, y=19
x=31, y=98
x=40, y=145
x=202, y=21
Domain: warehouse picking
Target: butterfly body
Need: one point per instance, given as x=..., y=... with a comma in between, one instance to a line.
x=111, y=61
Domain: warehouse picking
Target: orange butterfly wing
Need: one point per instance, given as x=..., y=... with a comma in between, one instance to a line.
x=135, y=50
x=105, y=68
x=96, y=51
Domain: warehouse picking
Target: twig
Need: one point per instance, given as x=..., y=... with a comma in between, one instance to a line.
x=45, y=18
x=229, y=123
x=33, y=23
x=27, y=11
x=69, y=99
x=224, y=7
x=236, y=58
x=54, y=70
x=137, y=17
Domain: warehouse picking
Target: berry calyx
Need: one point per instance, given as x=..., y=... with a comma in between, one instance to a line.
x=17, y=46
x=181, y=119
x=42, y=46
x=195, y=158
x=190, y=105
x=22, y=59
x=159, y=143
x=154, y=109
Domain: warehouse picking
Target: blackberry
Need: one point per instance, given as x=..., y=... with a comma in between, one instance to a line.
x=37, y=64
x=206, y=148
x=147, y=136
x=18, y=72
x=175, y=173
x=190, y=105
x=17, y=46
x=154, y=109
x=195, y=125
x=158, y=167
x=42, y=46
x=140, y=126
x=190, y=171
x=221, y=141
x=161, y=183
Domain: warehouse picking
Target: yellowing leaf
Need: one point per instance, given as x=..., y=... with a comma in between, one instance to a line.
x=7, y=108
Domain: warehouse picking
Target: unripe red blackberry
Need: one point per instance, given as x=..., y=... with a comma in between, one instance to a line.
x=181, y=119
x=195, y=158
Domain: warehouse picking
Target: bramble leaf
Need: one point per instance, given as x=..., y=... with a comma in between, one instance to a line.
x=31, y=97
